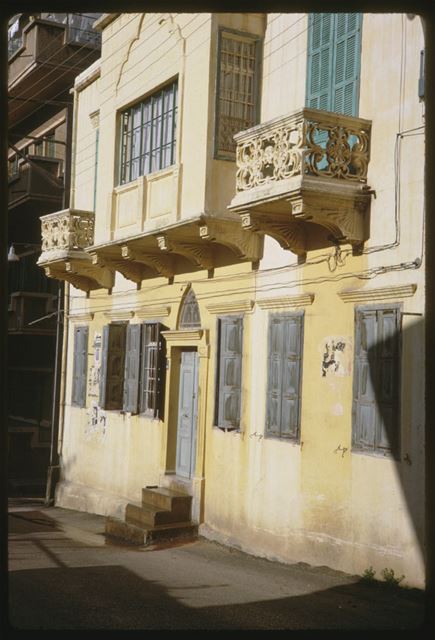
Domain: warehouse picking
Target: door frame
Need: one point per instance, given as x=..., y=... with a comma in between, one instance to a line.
x=176, y=342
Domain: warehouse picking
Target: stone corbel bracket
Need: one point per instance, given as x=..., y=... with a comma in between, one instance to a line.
x=289, y=234
x=156, y=263
x=198, y=254
x=82, y=274
x=244, y=245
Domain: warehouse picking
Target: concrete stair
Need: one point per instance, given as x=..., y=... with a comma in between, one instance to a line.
x=163, y=515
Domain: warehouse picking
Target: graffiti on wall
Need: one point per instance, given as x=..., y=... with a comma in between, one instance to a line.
x=336, y=356
x=96, y=423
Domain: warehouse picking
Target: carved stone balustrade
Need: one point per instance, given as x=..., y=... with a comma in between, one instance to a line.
x=65, y=236
x=302, y=179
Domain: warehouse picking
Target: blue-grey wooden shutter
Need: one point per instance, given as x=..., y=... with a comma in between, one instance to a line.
x=112, y=366
x=103, y=365
x=131, y=373
x=291, y=378
x=274, y=385
x=376, y=380
x=230, y=370
x=80, y=367
x=334, y=53
x=364, y=404
x=284, y=376
x=388, y=372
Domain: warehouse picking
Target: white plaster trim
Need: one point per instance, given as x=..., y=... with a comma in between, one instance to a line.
x=230, y=307
x=119, y=315
x=152, y=312
x=301, y=300
x=382, y=293
x=81, y=317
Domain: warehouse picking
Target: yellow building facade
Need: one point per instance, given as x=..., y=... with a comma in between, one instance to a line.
x=243, y=317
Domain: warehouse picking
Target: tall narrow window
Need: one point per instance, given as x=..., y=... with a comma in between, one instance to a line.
x=376, y=387
x=153, y=370
x=237, y=90
x=80, y=366
x=148, y=134
x=334, y=52
x=229, y=372
x=284, y=376
x=112, y=366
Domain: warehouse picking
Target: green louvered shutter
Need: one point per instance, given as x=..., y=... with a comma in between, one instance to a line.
x=230, y=371
x=131, y=374
x=334, y=53
x=320, y=52
x=80, y=366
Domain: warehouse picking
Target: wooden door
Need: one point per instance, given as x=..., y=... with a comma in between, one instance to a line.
x=187, y=414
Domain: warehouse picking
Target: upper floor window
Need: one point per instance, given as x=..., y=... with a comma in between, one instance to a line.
x=334, y=53
x=148, y=134
x=237, y=88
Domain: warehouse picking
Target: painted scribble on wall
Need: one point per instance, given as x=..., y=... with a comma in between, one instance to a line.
x=96, y=422
x=336, y=356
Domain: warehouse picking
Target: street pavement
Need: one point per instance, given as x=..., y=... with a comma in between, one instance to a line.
x=64, y=575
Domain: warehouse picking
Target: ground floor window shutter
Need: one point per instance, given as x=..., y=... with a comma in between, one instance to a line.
x=229, y=375
x=284, y=375
x=376, y=386
x=80, y=366
x=131, y=373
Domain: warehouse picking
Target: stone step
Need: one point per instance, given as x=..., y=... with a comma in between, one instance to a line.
x=149, y=516
x=164, y=498
x=127, y=532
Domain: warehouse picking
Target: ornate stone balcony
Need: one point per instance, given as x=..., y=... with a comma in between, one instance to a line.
x=198, y=243
x=65, y=236
x=302, y=179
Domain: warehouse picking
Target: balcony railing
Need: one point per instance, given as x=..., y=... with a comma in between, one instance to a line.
x=65, y=232
x=309, y=142
x=307, y=167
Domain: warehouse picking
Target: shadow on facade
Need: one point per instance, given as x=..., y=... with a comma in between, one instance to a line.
x=396, y=371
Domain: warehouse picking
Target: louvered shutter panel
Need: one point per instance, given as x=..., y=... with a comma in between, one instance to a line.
x=230, y=368
x=365, y=409
x=320, y=50
x=291, y=356
x=103, y=366
x=131, y=374
x=78, y=397
x=274, y=385
x=388, y=370
x=161, y=373
x=347, y=52
x=84, y=334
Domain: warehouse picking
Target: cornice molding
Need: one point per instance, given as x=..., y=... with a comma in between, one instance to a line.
x=239, y=306
x=81, y=317
x=381, y=293
x=283, y=302
x=152, y=312
x=178, y=335
x=119, y=315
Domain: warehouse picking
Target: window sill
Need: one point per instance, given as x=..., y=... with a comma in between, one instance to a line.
x=148, y=177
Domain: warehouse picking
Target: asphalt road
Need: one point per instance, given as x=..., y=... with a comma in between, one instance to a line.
x=64, y=575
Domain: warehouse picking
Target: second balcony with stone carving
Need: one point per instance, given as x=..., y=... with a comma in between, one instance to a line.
x=302, y=179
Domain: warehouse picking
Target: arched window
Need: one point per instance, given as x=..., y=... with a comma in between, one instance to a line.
x=189, y=313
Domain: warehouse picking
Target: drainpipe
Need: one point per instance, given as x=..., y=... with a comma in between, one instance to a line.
x=53, y=472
